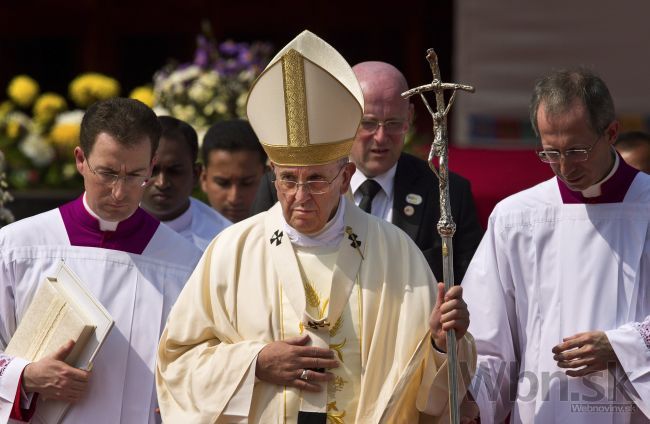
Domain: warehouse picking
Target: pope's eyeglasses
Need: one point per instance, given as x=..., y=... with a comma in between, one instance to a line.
x=290, y=187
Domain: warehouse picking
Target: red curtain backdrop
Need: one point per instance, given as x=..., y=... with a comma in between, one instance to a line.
x=496, y=174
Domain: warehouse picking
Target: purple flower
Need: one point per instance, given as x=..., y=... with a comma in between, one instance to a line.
x=204, y=51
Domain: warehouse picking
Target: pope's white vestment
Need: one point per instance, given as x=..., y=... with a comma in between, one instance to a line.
x=248, y=290
x=550, y=267
x=199, y=224
x=137, y=278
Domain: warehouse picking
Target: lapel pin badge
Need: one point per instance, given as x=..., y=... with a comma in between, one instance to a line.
x=409, y=210
x=413, y=199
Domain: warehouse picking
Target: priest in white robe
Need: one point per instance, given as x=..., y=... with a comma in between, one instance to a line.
x=132, y=264
x=168, y=196
x=314, y=311
x=558, y=288
x=199, y=224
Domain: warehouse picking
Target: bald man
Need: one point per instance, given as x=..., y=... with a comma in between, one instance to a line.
x=406, y=192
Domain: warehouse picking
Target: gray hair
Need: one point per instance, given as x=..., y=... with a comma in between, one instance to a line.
x=560, y=89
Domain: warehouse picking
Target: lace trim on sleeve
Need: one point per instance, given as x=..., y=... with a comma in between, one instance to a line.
x=644, y=330
x=5, y=360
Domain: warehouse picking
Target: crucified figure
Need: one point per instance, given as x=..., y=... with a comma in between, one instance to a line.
x=446, y=226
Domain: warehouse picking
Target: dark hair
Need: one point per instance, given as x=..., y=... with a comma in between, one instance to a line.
x=632, y=139
x=126, y=120
x=560, y=89
x=181, y=132
x=232, y=135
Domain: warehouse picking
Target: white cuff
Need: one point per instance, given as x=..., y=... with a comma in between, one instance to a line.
x=11, y=368
x=239, y=405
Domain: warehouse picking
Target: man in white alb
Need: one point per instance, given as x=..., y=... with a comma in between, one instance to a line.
x=558, y=288
x=133, y=265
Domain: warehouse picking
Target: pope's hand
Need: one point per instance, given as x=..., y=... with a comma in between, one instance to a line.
x=450, y=313
x=291, y=363
x=589, y=352
x=54, y=379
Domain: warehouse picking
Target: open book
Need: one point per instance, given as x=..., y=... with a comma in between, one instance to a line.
x=62, y=309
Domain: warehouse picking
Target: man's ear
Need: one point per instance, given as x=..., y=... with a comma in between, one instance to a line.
x=203, y=180
x=79, y=159
x=347, y=172
x=612, y=132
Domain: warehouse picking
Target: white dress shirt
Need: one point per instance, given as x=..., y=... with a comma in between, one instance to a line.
x=382, y=203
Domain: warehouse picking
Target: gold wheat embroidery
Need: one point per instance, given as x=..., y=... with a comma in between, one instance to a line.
x=334, y=417
x=321, y=311
x=337, y=347
x=313, y=299
x=335, y=385
x=337, y=326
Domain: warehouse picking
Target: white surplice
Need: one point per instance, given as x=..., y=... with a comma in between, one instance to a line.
x=199, y=223
x=138, y=290
x=248, y=290
x=547, y=270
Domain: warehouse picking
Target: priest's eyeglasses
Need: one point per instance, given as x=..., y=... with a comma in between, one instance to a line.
x=290, y=187
x=391, y=126
x=111, y=178
x=573, y=155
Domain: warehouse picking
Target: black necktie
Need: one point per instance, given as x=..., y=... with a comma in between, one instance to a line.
x=368, y=189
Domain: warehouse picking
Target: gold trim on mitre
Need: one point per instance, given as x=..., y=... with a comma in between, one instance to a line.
x=306, y=105
x=295, y=99
x=314, y=154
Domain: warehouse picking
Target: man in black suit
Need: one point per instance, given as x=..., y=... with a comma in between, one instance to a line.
x=403, y=190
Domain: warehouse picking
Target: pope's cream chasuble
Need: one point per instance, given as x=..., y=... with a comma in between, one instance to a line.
x=368, y=299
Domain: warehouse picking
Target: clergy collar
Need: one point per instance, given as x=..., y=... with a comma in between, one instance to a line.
x=385, y=180
x=611, y=189
x=182, y=221
x=104, y=225
x=83, y=227
x=330, y=235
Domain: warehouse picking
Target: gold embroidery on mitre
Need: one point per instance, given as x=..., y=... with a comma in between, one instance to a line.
x=314, y=154
x=295, y=99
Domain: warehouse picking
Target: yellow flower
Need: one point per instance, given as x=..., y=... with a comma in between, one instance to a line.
x=65, y=136
x=13, y=129
x=17, y=123
x=144, y=94
x=23, y=90
x=65, y=131
x=5, y=108
x=88, y=88
x=47, y=106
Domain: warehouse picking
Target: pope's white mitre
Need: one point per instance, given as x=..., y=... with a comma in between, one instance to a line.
x=305, y=107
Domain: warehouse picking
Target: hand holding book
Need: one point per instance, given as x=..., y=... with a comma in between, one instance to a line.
x=52, y=378
x=61, y=332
